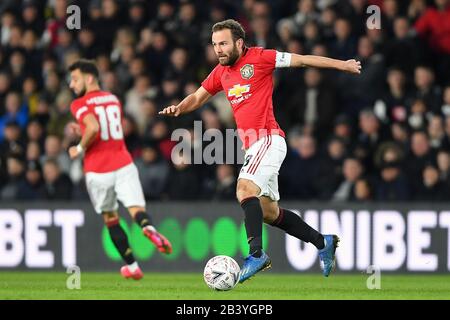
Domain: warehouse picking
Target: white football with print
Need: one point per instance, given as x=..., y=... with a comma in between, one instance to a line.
x=221, y=273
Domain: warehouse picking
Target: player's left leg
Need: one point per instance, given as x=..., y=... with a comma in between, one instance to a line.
x=290, y=222
x=120, y=240
x=129, y=191
x=294, y=225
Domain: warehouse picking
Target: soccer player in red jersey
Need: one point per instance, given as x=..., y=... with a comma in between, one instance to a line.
x=110, y=172
x=245, y=74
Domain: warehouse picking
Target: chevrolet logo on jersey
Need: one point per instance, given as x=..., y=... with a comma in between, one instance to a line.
x=238, y=90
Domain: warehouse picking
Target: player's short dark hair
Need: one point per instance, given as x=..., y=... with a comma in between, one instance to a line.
x=235, y=27
x=85, y=66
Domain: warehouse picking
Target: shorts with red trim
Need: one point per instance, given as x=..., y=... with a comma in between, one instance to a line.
x=262, y=163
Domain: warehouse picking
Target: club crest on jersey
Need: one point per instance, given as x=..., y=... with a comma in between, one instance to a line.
x=247, y=71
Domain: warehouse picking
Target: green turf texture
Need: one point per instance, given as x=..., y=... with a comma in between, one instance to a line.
x=175, y=286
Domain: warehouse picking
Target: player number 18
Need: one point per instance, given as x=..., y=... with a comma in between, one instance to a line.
x=110, y=125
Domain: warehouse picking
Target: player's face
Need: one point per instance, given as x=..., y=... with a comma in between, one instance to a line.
x=225, y=48
x=77, y=83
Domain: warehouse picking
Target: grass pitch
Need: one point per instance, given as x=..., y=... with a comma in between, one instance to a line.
x=188, y=286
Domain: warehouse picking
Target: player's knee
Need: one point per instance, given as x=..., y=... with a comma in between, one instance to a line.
x=246, y=189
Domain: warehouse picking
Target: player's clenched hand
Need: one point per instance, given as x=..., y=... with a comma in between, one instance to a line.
x=73, y=152
x=173, y=111
x=352, y=66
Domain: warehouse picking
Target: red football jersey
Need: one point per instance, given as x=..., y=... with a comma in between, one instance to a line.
x=108, y=152
x=248, y=85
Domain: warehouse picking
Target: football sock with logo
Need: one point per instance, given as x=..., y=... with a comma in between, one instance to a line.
x=253, y=224
x=143, y=219
x=120, y=240
x=295, y=226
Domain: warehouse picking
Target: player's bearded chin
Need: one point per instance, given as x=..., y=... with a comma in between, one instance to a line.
x=234, y=55
x=82, y=91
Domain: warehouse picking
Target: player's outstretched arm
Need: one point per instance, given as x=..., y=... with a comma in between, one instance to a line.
x=189, y=104
x=351, y=66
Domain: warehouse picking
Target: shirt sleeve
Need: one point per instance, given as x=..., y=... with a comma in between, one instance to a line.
x=79, y=111
x=267, y=59
x=212, y=83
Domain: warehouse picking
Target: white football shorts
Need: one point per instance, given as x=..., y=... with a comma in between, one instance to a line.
x=106, y=188
x=262, y=163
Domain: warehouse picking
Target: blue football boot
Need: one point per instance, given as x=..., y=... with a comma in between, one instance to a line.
x=327, y=254
x=252, y=265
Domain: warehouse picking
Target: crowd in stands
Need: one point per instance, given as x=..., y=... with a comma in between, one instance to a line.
x=381, y=136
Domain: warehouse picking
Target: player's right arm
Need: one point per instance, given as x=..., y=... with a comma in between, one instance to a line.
x=189, y=104
x=92, y=128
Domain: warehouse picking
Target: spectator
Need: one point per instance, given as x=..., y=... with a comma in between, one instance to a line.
x=159, y=132
x=443, y=164
x=183, y=181
x=30, y=94
x=432, y=26
x=187, y=28
x=352, y=170
x=436, y=132
x=223, y=187
x=313, y=105
x=12, y=143
x=142, y=88
x=343, y=128
x=15, y=171
x=131, y=135
x=53, y=150
x=396, y=100
x=137, y=13
x=392, y=184
x=57, y=184
x=300, y=169
x=31, y=187
x=431, y=188
x=305, y=12
x=370, y=137
x=426, y=90
x=33, y=152
x=263, y=35
x=362, y=91
x=363, y=190
x=421, y=155
x=153, y=171
x=66, y=44
x=402, y=50
x=61, y=116
x=344, y=45
x=331, y=167
x=35, y=132
x=15, y=112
